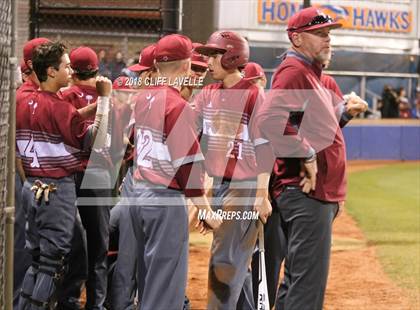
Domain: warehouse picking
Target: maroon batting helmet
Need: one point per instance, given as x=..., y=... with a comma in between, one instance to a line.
x=235, y=48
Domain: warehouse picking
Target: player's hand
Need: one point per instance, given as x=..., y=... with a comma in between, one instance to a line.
x=308, y=173
x=192, y=214
x=203, y=227
x=263, y=207
x=355, y=105
x=306, y=185
x=103, y=86
x=213, y=221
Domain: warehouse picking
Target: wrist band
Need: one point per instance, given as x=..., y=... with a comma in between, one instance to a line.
x=102, y=105
x=310, y=159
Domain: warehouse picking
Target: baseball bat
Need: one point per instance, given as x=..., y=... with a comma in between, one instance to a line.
x=263, y=302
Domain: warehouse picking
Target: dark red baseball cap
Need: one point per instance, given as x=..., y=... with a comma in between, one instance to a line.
x=310, y=19
x=253, y=71
x=146, y=59
x=197, y=59
x=121, y=83
x=24, y=67
x=29, y=47
x=83, y=59
x=173, y=47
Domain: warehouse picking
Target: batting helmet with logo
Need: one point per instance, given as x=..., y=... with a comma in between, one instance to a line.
x=235, y=49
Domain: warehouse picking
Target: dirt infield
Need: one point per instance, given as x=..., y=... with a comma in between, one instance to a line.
x=356, y=280
x=361, y=165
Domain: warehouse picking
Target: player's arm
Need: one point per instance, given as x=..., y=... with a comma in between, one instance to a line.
x=99, y=128
x=262, y=200
x=190, y=177
x=346, y=106
x=85, y=112
x=88, y=111
x=284, y=106
x=187, y=159
x=288, y=95
x=73, y=127
x=264, y=157
x=349, y=107
x=354, y=104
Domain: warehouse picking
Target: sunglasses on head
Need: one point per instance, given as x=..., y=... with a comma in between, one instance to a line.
x=317, y=20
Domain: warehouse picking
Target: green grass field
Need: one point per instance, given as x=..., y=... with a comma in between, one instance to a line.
x=385, y=202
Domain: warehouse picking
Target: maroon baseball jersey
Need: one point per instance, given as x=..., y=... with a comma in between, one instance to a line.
x=224, y=116
x=81, y=96
x=25, y=90
x=329, y=83
x=296, y=72
x=166, y=141
x=49, y=135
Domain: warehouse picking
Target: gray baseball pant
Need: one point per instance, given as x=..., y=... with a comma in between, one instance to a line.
x=160, y=222
x=124, y=282
x=230, y=278
x=307, y=226
x=48, y=238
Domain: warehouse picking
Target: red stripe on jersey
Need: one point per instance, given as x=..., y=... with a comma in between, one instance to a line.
x=165, y=138
x=48, y=129
x=224, y=116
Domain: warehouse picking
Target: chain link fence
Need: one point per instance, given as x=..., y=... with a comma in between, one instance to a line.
x=5, y=49
x=116, y=29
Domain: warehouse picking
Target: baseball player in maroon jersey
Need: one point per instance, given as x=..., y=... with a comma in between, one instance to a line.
x=308, y=187
x=96, y=165
x=124, y=280
x=223, y=111
x=22, y=258
x=146, y=71
x=168, y=165
x=122, y=277
x=49, y=134
x=28, y=87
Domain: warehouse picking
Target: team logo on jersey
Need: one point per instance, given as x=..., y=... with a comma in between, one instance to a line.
x=150, y=98
x=89, y=98
x=33, y=105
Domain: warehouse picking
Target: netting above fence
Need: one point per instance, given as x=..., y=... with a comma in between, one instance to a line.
x=5, y=49
x=130, y=18
x=116, y=29
x=121, y=28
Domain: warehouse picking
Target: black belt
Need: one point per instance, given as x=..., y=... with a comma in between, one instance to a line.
x=290, y=187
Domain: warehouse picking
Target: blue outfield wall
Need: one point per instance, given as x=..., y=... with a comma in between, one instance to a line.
x=382, y=141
